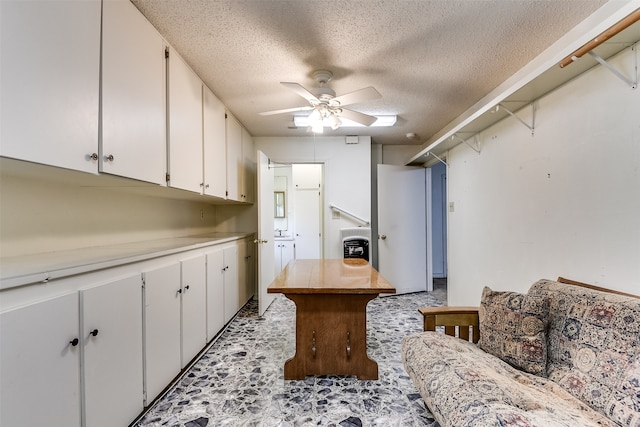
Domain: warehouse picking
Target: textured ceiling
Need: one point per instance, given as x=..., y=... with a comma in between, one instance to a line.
x=430, y=59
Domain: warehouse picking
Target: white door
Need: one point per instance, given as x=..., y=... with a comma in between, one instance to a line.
x=402, y=232
x=112, y=346
x=40, y=362
x=265, y=232
x=307, y=224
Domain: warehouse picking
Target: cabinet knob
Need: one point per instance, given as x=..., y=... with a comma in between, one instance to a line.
x=109, y=158
x=179, y=291
x=186, y=287
x=93, y=156
x=202, y=184
x=383, y=236
x=74, y=342
x=206, y=186
x=94, y=332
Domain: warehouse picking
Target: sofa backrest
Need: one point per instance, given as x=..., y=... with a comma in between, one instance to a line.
x=593, y=341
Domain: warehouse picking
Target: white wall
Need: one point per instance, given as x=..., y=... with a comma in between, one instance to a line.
x=40, y=215
x=565, y=202
x=347, y=177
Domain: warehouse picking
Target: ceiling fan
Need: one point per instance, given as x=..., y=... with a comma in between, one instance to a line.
x=325, y=105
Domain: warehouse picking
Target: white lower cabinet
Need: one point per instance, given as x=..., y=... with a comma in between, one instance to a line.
x=194, y=307
x=284, y=252
x=246, y=281
x=223, y=290
x=161, y=328
x=40, y=364
x=231, y=284
x=111, y=334
x=109, y=342
x=215, y=292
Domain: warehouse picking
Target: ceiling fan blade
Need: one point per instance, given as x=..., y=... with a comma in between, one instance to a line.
x=286, y=110
x=361, y=95
x=300, y=90
x=357, y=117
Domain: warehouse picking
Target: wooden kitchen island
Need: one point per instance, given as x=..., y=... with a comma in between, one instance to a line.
x=331, y=297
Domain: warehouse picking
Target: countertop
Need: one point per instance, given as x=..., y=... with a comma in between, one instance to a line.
x=42, y=267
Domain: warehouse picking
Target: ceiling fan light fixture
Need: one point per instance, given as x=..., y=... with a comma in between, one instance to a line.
x=335, y=121
x=382, y=121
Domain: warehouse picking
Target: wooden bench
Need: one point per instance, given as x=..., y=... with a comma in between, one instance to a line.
x=463, y=322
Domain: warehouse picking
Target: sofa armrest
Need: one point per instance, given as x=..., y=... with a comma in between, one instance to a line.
x=465, y=318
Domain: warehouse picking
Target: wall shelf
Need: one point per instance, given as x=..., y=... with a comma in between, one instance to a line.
x=538, y=78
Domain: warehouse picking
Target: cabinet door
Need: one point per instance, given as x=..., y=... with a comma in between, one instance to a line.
x=234, y=158
x=133, y=95
x=111, y=325
x=214, y=146
x=39, y=367
x=161, y=328
x=248, y=167
x=307, y=176
x=288, y=253
x=49, y=81
x=194, y=308
x=278, y=257
x=231, y=287
x=185, y=126
x=215, y=292
x=243, y=291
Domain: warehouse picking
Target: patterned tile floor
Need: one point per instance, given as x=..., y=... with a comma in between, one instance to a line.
x=239, y=380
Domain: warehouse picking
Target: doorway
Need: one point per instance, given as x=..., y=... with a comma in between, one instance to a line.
x=300, y=188
x=439, y=221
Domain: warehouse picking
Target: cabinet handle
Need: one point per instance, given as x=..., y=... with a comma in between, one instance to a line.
x=348, y=345
x=206, y=186
x=74, y=342
x=179, y=291
x=94, y=332
x=109, y=158
x=313, y=344
x=202, y=184
x=93, y=156
x=186, y=287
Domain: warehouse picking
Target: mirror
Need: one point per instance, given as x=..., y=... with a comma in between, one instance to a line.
x=278, y=199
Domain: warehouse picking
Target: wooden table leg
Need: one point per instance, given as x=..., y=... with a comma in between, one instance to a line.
x=331, y=336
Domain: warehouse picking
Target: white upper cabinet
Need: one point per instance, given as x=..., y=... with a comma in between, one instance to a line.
x=133, y=140
x=248, y=166
x=49, y=81
x=185, y=126
x=215, y=162
x=234, y=158
x=306, y=177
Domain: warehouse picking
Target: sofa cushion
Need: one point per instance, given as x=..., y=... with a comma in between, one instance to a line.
x=465, y=386
x=513, y=328
x=594, y=347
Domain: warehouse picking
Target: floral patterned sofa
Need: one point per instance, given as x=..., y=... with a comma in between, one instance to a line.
x=563, y=354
